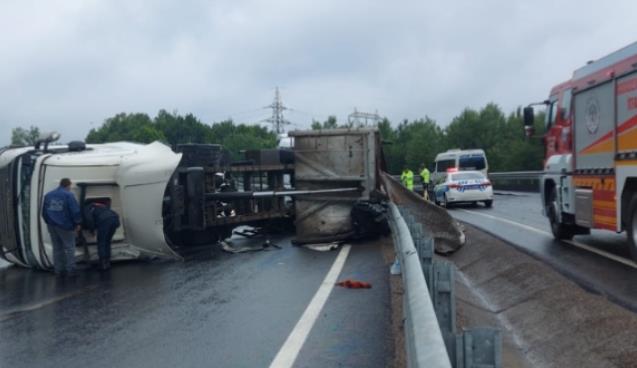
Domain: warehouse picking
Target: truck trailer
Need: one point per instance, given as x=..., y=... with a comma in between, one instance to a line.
x=590, y=166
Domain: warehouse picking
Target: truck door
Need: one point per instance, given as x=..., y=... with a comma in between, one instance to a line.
x=109, y=195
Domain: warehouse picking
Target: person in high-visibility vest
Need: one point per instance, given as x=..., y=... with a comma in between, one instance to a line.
x=407, y=178
x=424, y=174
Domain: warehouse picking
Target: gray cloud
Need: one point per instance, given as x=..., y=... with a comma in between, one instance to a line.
x=68, y=65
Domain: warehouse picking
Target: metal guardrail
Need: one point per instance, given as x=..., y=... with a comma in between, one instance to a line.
x=525, y=181
x=499, y=175
x=516, y=174
x=429, y=305
x=425, y=345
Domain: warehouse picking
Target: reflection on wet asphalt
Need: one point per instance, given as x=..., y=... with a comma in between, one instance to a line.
x=221, y=310
x=594, y=272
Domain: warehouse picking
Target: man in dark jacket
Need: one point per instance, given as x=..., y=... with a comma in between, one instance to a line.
x=61, y=213
x=99, y=217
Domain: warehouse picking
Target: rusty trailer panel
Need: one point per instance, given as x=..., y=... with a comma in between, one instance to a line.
x=329, y=159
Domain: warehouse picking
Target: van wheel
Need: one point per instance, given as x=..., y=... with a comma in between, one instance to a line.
x=631, y=227
x=560, y=231
x=489, y=203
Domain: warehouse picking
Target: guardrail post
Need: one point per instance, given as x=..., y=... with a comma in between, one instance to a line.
x=478, y=347
x=425, y=247
x=444, y=304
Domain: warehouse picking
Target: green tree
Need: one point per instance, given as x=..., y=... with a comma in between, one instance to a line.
x=24, y=137
x=136, y=127
x=181, y=129
x=330, y=123
x=236, y=138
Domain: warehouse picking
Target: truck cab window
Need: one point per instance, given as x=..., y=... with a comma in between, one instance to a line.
x=566, y=103
x=551, y=113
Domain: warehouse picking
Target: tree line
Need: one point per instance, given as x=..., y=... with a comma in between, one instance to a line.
x=173, y=129
x=416, y=143
x=407, y=144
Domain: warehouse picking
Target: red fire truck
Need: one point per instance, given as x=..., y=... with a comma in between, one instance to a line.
x=590, y=168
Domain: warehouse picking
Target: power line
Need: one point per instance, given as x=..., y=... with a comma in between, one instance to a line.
x=358, y=117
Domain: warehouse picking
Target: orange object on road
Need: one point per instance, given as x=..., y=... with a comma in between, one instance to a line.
x=352, y=284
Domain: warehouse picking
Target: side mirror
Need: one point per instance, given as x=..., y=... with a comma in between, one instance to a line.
x=529, y=116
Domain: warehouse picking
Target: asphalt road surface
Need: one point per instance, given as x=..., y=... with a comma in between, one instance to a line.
x=227, y=310
x=599, y=262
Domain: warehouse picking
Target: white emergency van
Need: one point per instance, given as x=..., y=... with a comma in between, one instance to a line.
x=459, y=160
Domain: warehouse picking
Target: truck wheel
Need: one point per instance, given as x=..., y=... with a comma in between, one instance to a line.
x=560, y=231
x=631, y=227
x=489, y=203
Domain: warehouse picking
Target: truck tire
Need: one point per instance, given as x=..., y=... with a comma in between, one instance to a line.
x=631, y=227
x=488, y=203
x=560, y=230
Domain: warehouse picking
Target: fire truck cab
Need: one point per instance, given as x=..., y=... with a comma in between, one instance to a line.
x=590, y=167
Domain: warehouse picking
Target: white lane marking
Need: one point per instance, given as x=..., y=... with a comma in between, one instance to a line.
x=600, y=252
x=290, y=350
x=530, y=228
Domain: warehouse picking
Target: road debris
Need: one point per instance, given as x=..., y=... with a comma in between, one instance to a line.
x=229, y=247
x=323, y=247
x=353, y=284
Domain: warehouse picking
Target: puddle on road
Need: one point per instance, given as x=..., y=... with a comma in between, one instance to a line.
x=14, y=312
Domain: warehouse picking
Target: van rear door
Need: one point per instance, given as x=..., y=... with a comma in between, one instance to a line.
x=473, y=162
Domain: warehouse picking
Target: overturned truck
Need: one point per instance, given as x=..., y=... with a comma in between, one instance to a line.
x=327, y=187
x=168, y=199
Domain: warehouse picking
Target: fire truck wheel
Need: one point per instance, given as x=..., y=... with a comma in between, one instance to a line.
x=560, y=231
x=631, y=227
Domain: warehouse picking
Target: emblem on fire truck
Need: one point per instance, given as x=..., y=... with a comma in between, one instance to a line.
x=592, y=115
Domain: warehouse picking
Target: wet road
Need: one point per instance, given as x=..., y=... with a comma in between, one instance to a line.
x=221, y=311
x=518, y=220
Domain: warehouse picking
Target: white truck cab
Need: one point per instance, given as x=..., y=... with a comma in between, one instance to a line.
x=132, y=178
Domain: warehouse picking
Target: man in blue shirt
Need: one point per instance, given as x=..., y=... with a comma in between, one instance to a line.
x=61, y=213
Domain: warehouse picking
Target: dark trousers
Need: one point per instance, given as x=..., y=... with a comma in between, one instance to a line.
x=105, y=231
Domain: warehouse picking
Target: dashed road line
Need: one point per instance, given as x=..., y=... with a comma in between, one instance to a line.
x=583, y=246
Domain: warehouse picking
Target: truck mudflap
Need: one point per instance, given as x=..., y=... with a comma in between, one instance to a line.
x=143, y=179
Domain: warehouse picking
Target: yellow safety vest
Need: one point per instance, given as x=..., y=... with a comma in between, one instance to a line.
x=407, y=178
x=425, y=175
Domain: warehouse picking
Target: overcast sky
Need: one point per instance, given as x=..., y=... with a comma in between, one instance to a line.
x=67, y=65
